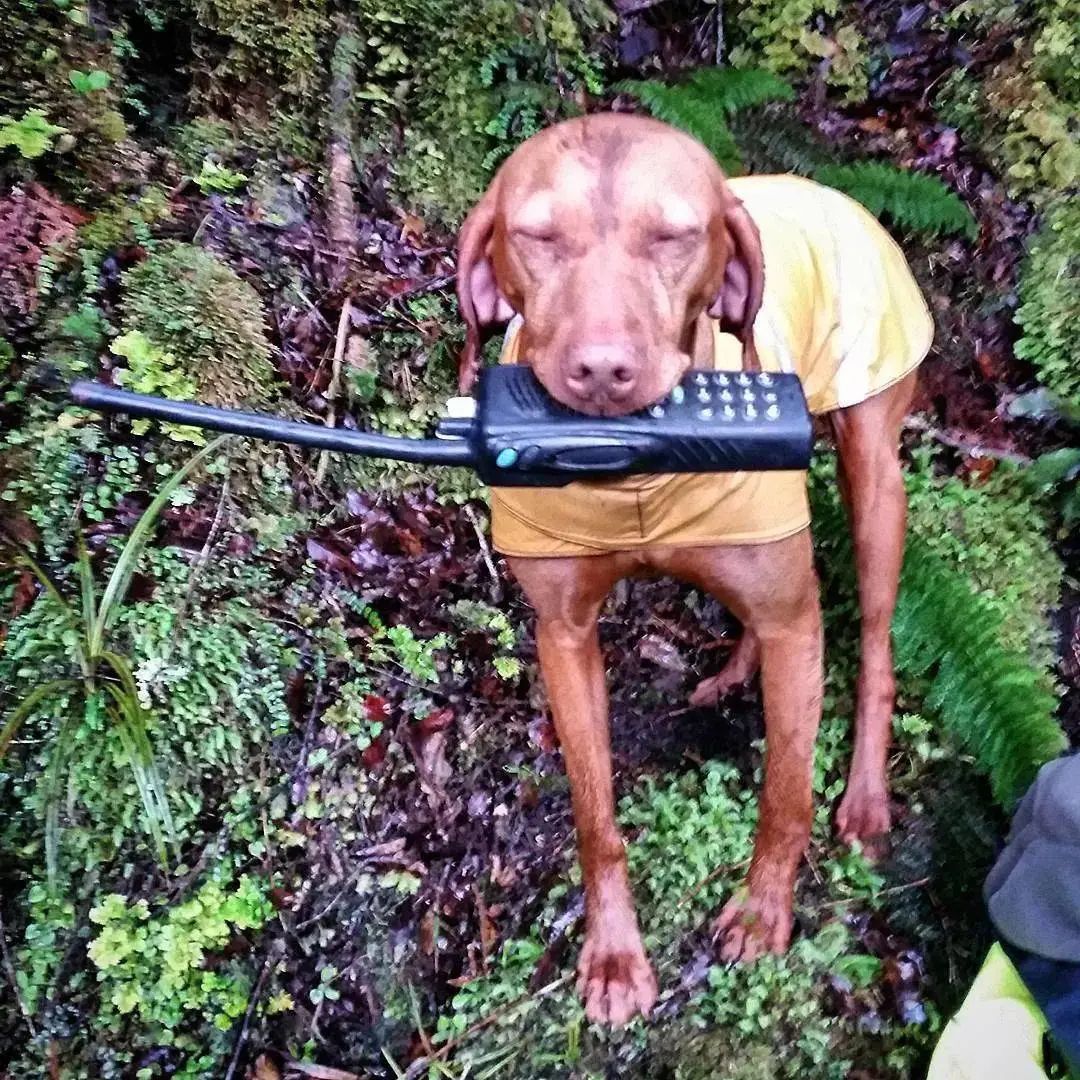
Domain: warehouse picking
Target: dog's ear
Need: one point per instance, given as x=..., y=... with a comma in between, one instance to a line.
x=737, y=303
x=480, y=299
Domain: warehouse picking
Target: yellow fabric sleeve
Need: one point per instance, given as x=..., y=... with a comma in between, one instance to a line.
x=997, y=1033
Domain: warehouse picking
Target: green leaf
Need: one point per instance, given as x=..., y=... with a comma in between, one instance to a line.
x=87, y=82
x=23, y=711
x=912, y=200
x=31, y=136
x=122, y=573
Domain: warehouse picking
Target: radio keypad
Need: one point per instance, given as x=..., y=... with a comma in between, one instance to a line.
x=723, y=396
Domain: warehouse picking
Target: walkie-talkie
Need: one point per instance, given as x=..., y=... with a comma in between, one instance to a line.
x=519, y=436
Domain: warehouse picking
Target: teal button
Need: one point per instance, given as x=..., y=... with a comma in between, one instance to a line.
x=677, y=395
x=506, y=457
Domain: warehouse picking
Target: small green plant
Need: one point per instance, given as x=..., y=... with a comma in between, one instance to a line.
x=151, y=370
x=701, y=105
x=1050, y=300
x=217, y=179
x=785, y=37
x=153, y=964
x=1057, y=475
x=104, y=677
x=87, y=82
x=480, y=616
x=968, y=654
x=911, y=200
x=991, y=700
x=31, y=136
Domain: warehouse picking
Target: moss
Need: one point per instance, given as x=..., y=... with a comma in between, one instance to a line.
x=997, y=534
x=470, y=84
x=280, y=43
x=1022, y=111
x=785, y=37
x=1050, y=302
x=196, y=307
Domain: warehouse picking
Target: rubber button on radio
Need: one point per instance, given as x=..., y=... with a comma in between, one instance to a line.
x=529, y=456
x=506, y=457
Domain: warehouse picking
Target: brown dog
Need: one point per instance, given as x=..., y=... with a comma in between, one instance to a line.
x=619, y=241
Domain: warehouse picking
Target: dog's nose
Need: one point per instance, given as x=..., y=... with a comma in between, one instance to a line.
x=594, y=371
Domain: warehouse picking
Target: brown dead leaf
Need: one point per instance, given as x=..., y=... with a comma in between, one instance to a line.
x=489, y=935
x=25, y=591
x=412, y=227
x=661, y=652
x=318, y=1072
x=427, y=741
x=263, y=1069
x=427, y=933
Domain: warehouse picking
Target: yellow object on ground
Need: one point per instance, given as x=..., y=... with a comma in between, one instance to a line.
x=841, y=309
x=997, y=1033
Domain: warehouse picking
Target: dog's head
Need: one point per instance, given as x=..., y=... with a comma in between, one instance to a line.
x=610, y=234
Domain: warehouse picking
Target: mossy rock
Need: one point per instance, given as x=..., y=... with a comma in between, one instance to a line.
x=195, y=307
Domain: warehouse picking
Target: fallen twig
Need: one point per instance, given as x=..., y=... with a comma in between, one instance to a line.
x=334, y=389
x=960, y=442
x=892, y=889
x=253, y=1001
x=485, y=553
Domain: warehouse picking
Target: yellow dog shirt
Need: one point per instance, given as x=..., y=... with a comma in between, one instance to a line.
x=841, y=309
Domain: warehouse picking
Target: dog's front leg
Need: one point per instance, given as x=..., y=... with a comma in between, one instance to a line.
x=773, y=590
x=614, y=976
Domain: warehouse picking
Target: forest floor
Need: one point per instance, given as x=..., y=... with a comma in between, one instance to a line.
x=377, y=851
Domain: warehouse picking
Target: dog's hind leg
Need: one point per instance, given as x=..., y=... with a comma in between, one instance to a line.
x=871, y=482
x=741, y=666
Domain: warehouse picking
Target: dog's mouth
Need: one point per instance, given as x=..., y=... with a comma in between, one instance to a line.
x=608, y=404
x=616, y=398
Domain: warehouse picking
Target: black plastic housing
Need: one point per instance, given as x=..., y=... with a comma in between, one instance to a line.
x=521, y=437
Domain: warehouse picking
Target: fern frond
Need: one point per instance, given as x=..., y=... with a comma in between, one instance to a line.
x=700, y=106
x=684, y=108
x=912, y=200
x=992, y=702
x=734, y=89
x=772, y=141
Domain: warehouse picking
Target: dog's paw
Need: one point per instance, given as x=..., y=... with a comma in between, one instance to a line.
x=615, y=979
x=864, y=816
x=754, y=922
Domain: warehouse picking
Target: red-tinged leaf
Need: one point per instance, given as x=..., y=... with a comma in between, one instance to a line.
x=542, y=734
x=375, y=754
x=282, y=898
x=990, y=366
x=437, y=720
x=412, y=227
x=263, y=1069
x=411, y=544
x=979, y=469
x=876, y=125
x=427, y=741
x=376, y=708
x=489, y=935
x=25, y=591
